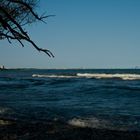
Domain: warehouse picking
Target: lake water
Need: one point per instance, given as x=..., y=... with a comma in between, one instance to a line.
x=97, y=98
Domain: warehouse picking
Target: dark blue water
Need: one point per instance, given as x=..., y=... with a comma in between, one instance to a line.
x=88, y=98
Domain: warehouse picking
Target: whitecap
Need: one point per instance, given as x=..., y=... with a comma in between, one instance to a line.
x=92, y=75
x=3, y=110
x=4, y=122
x=95, y=123
x=103, y=75
x=52, y=76
x=84, y=122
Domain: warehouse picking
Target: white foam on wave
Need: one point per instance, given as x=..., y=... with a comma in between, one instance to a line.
x=84, y=122
x=103, y=75
x=4, y=110
x=94, y=123
x=52, y=76
x=92, y=75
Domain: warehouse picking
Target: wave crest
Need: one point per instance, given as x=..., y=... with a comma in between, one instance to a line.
x=52, y=76
x=92, y=75
x=96, y=123
x=100, y=76
x=4, y=110
x=84, y=122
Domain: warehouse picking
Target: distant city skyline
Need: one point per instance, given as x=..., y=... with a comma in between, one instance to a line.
x=83, y=34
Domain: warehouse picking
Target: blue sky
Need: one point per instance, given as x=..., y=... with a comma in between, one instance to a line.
x=83, y=34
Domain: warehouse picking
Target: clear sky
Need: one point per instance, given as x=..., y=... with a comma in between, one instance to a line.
x=83, y=34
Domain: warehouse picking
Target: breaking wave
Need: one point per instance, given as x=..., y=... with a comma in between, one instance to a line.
x=92, y=75
x=89, y=122
x=53, y=76
x=121, y=76
x=4, y=110
x=98, y=124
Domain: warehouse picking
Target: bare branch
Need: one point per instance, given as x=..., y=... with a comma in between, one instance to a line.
x=13, y=15
x=27, y=6
x=14, y=21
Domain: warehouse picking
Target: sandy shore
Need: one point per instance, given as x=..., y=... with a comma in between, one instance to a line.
x=57, y=130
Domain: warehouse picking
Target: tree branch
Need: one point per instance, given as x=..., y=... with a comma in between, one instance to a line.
x=31, y=9
x=12, y=30
x=14, y=21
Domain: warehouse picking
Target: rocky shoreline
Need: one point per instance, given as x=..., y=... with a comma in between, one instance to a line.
x=57, y=130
